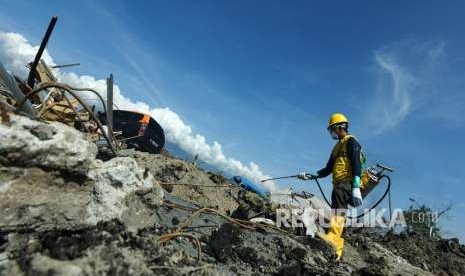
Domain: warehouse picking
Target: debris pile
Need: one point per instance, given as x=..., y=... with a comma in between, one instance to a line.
x=187, y=181
x=65, y=212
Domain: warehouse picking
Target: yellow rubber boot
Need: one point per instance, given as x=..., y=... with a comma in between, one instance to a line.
x=333, y=236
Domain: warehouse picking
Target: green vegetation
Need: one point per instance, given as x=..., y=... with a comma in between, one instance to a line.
x=423, y=220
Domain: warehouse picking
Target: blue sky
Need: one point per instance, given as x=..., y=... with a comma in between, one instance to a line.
x=262, y=77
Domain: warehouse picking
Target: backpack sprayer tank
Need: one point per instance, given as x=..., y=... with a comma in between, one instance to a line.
x=371, y=178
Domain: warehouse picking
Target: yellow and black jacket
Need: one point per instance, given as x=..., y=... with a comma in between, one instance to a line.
x=345, y=161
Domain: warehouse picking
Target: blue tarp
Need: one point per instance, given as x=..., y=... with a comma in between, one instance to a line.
x=249, y=185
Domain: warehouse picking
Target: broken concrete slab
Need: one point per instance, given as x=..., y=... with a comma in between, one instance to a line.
x=54, y=146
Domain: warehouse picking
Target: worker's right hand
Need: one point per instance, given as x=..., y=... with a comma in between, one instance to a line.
x=356, y=197
x=307, y=176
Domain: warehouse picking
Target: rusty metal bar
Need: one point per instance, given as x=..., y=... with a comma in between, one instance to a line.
x=43, y=44
x=68, y=89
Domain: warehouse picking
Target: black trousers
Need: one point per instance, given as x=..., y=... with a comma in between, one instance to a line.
x=341, y=196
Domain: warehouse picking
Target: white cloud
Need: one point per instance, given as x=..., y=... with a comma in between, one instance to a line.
x=406, y=71
x=394, y=105
x=16, y=51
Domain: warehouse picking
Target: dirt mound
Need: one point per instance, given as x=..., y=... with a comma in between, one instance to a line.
x=440, y=256
x=264, y=251
x=188, y=181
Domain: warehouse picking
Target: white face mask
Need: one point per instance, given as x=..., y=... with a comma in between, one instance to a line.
x=333, y=135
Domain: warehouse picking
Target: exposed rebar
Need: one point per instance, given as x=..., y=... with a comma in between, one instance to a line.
x=70, y=91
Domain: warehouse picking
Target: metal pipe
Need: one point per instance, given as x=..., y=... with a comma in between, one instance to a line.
x=390, y=205
x=43, y=44
x=66, y=65
x=110, y=106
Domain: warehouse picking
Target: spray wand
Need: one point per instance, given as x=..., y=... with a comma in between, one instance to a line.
x=281, y=177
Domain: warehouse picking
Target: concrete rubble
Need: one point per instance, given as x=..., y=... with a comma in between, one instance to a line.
x=65, y=212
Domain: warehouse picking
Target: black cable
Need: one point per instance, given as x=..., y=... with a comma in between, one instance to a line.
x=372, y=207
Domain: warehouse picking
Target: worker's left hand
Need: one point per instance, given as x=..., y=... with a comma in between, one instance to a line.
x=356, y=197
x=307, y=176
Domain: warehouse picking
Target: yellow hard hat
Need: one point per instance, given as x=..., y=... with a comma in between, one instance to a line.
x=337, y=118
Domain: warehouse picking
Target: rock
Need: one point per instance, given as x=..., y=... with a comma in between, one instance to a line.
x=377, y=266
x=114, y=180
x=297, y=253
x=223, y=240
x=50, y=146
x=291, y=269
x=50, y=179
x=30, y=200
x=137, y=214
x=45, y=266
x=248, y=255
x=100, y=260
x=33, y=203
x=252, y=205
x=9, y=267
x=43, y=132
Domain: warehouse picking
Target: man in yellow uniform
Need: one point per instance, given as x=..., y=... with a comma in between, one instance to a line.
x=345, y=165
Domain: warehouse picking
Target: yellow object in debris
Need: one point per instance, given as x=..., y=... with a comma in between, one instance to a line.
x=333, y=236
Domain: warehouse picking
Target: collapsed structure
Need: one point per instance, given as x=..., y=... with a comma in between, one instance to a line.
x=65, y=212
x=68, y=210
x=43, y=97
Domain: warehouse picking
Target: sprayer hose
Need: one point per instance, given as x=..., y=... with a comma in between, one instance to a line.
x=372, y=207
